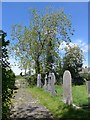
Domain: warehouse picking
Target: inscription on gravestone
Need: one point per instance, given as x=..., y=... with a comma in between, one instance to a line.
x=67, y=88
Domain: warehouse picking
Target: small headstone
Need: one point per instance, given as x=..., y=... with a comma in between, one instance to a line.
x=67, y=87
x=51, y=82
x=39, y=80
x=45, y=84
x=88, y=86
x=88, y=90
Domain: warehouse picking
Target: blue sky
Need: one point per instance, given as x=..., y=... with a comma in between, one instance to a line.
x=17, y=12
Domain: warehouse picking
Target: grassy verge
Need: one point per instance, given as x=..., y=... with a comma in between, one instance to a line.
x=58, y=108
x=19, y=77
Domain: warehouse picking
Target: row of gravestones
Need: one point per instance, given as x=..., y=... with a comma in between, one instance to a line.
x=67, y=86
x=49, y=84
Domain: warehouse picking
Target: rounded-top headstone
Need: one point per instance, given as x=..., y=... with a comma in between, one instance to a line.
x=39, y=80
x=67, y=87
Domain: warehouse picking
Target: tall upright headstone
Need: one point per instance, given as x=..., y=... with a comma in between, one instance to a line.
x=53, y=80
x=39, y=80
x=67, y=87
x=49, y=82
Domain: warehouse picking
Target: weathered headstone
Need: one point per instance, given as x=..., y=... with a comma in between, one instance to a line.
x=45, y=84
x=67, y=87
x=88, y=86
x=39, y=80
x=88, y=90
x=51, y=82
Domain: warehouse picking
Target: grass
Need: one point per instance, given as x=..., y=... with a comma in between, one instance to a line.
x=18, y=77
x=80, y=95
x=58, y=108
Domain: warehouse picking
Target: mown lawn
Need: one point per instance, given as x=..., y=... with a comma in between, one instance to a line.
x=58, y=108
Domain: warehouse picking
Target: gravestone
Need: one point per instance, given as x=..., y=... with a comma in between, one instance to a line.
x=51, y=82
x=88, y=86
x=88, y=90
x=46, y=82
x=67, y=88
x=39, y=80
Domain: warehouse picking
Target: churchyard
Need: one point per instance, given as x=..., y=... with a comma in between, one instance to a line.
x=64, y=100
x=54, y=85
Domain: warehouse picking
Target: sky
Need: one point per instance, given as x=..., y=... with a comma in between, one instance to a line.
x=17, y=12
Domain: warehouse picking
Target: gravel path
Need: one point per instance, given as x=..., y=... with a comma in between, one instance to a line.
x=25, y=107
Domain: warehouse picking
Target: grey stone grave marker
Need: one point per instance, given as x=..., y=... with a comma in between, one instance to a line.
x=67, y=88
x=45, y=84
x=53, y=80
x=39, y=80
x=49, y=83
x=88, y=90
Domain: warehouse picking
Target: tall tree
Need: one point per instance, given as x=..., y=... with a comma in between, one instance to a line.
x=42, y=38
x=73, y=61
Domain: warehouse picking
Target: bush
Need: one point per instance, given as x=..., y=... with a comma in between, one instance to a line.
x=85, y=76
x=8, y=81
x=8, y=77
x=32, y=80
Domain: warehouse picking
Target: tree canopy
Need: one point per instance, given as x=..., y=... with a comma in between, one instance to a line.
x=41, y=40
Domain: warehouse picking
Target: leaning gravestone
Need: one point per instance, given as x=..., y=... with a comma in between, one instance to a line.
x=39, y=80
x=67, y=88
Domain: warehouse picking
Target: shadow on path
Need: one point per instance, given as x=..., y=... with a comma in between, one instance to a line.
x=25, y=107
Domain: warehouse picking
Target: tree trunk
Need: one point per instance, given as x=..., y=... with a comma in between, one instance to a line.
x=37, y=65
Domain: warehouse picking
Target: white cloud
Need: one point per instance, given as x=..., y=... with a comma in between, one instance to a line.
x=84, y=46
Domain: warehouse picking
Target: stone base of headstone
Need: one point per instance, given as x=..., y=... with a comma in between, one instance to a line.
x=53, y=93
x=68, y=101
x=45, y=87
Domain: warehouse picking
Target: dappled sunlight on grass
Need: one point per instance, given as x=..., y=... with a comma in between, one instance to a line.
x=57, y=107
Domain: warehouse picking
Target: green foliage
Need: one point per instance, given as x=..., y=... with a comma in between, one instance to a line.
x=40, y=41
x=59, y=72
x=8, y=77
x=85, y=75
x=58, y=108
x=73, y=61
x=32, y=80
